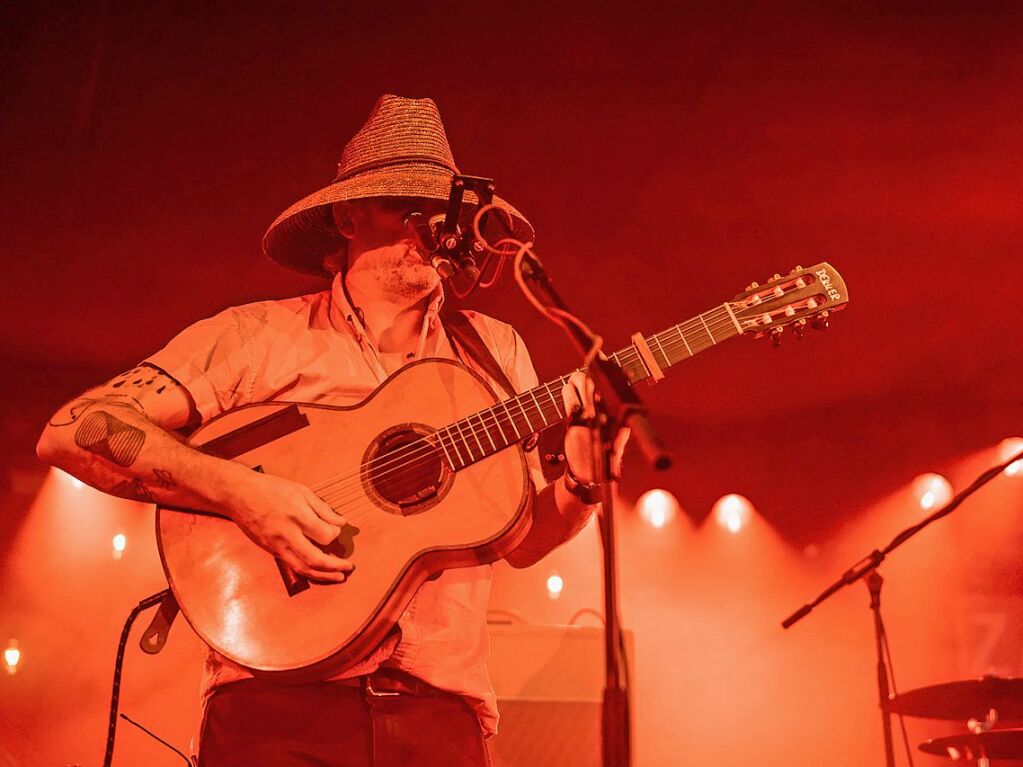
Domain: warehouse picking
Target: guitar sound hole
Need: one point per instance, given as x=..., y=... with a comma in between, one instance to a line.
x=404, y=469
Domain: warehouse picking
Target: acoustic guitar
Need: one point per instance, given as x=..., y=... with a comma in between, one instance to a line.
x=429, y=472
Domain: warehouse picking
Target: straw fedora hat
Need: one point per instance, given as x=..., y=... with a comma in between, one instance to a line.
x=401, y=151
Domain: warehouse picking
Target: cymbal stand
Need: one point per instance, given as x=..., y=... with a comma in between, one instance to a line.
x=874, y=581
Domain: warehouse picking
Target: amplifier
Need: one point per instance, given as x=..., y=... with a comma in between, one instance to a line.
x=549, y=682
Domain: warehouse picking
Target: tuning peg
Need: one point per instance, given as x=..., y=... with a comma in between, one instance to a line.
x=820, y=322
x=798, y=327
x=776, y=337
x=776, y=277
x=797, y=269
x=753, y=285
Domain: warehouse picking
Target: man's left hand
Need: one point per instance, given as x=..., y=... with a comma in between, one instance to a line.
x=577, y=394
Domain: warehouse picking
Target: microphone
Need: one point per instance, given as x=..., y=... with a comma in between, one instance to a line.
x=424, y=232
x=421, y=231
x=458, y=244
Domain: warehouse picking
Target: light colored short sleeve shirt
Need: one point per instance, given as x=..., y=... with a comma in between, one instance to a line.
x=314, y=348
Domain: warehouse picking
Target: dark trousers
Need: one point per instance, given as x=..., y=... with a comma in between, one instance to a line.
x=328, y=724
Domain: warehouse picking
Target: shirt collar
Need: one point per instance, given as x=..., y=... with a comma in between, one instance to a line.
x=345, y=316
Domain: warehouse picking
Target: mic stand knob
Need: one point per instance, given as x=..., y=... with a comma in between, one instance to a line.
x=444, y=266
x=467, y=264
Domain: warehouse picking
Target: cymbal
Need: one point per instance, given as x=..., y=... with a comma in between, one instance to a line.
x=962, y=700
x=996, y=744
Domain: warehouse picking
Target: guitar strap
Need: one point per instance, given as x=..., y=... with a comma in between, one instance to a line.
x=468, y=341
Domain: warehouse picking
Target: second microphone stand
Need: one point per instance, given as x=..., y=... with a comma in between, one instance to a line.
x=866, y=570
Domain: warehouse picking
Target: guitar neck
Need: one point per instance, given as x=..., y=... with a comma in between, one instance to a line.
x=488, y=431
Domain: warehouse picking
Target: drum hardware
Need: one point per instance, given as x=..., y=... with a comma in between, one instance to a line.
x=1000, y=697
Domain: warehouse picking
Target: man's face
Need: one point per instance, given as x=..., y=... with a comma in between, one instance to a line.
x=379, y=246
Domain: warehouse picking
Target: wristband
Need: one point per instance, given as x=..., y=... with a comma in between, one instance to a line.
x=587, y=492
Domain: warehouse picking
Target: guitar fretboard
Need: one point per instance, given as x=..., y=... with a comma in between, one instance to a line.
x=488, y=431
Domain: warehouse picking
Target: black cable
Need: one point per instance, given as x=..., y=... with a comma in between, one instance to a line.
x=586, y=611
x=895, y=693
x=623, y=659
x=115, y=694
x=157, y=738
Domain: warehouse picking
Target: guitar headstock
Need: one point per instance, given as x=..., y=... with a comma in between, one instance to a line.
x=800, y=299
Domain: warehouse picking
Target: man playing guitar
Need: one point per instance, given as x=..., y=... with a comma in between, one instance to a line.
x=422, y=696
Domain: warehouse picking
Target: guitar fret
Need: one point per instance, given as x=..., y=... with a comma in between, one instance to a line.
x=486, y=431
x=557, y=405
x=440, y=441
x=707, y=329
x=731, y=315
x=497, y=422
x=505, y=440
x=538, y=408
x=511, y=418
x=468, y=422
x=635, y=369
x=465, y=442
x=454, y=446
x=664, y=354
x=682, y=335
x=525, y=415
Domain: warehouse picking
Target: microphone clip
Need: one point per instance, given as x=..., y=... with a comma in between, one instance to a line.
x=451, y=249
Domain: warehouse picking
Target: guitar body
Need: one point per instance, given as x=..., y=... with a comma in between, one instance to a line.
x=404, y=524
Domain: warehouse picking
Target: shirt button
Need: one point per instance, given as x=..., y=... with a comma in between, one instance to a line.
x=407, y=614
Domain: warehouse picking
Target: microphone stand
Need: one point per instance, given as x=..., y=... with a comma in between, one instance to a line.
x=617, y=406
x=866, y=569
x=874, y=582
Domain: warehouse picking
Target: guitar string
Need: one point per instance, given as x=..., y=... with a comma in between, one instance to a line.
x=356, y=505
x=430, y=447
x=431, y=441
x=427, y=451
x=428, y=444
x=427, y=447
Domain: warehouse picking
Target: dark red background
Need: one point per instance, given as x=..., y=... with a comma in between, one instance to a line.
x=667, y=156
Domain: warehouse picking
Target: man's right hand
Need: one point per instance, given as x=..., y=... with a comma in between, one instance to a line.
x=286, y=518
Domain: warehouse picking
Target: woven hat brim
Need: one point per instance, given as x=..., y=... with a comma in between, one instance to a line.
x=304, y=234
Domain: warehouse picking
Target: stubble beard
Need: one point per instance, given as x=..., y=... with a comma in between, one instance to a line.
x=407, y=277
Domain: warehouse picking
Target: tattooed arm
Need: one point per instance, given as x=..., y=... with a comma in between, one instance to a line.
x=116, y=437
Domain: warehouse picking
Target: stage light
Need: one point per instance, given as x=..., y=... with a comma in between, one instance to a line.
x=1007, y=450
x=931, y=491
x=555, y=584
x=119, y=542
x=12, y=656
x=657, y=508
x=733, y=512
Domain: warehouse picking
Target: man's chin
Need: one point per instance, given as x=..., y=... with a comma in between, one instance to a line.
x=417, y=281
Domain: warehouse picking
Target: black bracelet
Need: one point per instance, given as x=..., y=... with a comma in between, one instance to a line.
x=576, y=418
x=589, y=493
